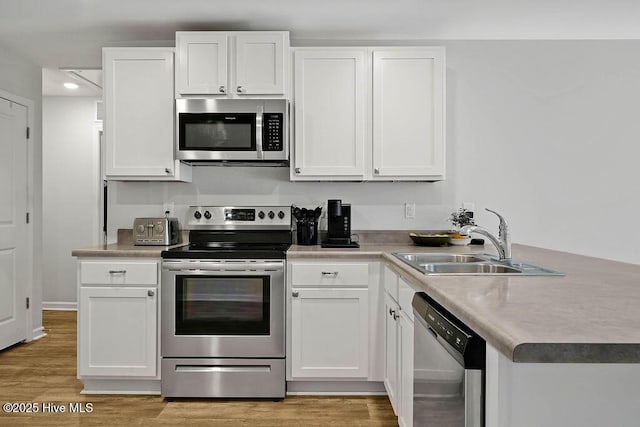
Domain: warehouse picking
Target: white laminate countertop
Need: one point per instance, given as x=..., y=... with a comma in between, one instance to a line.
x=590, y=315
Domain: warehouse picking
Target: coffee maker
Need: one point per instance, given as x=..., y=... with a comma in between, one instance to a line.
x=339, y=226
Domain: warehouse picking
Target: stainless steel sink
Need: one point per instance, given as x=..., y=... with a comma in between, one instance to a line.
x=431, y=258
x=470, y=265
x=470, y=269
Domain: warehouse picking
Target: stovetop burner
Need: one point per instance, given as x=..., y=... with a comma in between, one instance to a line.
x=225, y=232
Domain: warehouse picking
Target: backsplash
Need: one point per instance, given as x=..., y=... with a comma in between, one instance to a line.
x=375, y=206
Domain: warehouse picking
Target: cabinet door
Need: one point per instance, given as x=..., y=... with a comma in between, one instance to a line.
x=201, y=63
x=329, y=333
x=391, y=341
x=260, y=63
x=138, y=93
x=117, y=331
x=330, y=104
x=408, y=113
x=405, y=371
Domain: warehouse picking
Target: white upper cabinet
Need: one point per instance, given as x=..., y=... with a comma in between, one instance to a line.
x=232, y=64
x=368, y=114
x=260, y=63
x=201, y=63
x=330, y=109
x=139, y=115
x=408, y=113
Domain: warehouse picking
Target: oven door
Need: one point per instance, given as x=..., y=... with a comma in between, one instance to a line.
x=227, y=308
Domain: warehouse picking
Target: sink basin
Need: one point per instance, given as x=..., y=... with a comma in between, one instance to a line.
x=470, y=265
x=432, y=258
x=471, y=269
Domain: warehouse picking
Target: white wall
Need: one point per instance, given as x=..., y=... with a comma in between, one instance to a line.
x=23, y=78
x=71, y=193
x=540, y=131
x=547, y=133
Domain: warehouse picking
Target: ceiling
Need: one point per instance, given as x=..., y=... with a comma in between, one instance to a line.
x=70, y=33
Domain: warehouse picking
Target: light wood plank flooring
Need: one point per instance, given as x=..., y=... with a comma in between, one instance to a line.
x=45, y=371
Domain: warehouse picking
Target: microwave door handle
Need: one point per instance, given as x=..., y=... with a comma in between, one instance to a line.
x=259, y=125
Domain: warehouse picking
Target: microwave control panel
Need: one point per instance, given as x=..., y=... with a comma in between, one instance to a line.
x=272, y=132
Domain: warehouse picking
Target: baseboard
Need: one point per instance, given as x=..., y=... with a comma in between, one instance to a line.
x=59, y=306
x=38, y=333
x=335, y=388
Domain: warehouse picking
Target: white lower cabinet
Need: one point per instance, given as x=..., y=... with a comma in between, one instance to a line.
x=118, y=336
x=117, y=331
x=332, y=325
x=398, y=343
x=329, y=333
x=391, y=350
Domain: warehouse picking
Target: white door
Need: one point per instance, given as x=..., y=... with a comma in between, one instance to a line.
x=408, y=113
x=13, y=228
x=330, y=333
x=330, y=107
x=260, y=64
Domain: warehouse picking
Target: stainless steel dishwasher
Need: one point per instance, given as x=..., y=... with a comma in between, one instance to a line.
x=449, y=367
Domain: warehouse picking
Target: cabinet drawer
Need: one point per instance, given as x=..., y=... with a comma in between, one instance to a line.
x=328, y=274
x=118, y=273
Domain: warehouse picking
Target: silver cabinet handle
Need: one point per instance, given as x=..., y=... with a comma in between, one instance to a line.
x=167, y=170
x=391, y=312
x=221, y=89
x=329, y=273
x=117, y=271
x=297, y=170
x=150, y=292
x=240, y=89
x=376, y=171
x=395, y=316
x=295, y=294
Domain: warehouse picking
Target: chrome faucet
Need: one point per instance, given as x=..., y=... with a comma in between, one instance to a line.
x=502, y=242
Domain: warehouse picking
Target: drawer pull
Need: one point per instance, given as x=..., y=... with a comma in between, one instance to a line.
x=150, y=293
x=330, y=273
x=295, y=294
x=117, y=271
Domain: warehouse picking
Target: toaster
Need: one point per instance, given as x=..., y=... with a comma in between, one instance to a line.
x=156, y=231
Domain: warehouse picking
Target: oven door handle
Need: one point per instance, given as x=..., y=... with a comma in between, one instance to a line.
x=223, y=267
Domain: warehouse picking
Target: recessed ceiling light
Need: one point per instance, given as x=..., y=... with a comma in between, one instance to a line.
x=71, y=86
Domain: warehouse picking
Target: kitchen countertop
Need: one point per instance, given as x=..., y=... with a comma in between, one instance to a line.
x=123, y=250
x=590, y=315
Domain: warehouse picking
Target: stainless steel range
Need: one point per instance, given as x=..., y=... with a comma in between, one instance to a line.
x=223, y=321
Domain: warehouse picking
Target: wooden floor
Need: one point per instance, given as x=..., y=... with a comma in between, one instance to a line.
x=44, y=371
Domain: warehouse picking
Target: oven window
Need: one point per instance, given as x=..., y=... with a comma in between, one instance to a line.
x=218, y=131
x=222, y=305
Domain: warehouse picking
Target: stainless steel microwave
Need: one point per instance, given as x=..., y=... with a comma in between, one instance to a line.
x=232, y=130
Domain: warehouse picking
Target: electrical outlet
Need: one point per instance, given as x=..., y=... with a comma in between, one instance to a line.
x=168, y=206
x=409, y=210
x=469, y=207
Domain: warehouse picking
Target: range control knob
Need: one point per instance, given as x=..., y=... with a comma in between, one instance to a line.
x=160, y=228
x=280, y=214
x=140, y=229
x=271, y=214
x=207, y=214
x=197, y=215
x=261, y=215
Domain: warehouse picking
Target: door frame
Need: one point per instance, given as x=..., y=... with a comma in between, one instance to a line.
x=32, y=276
